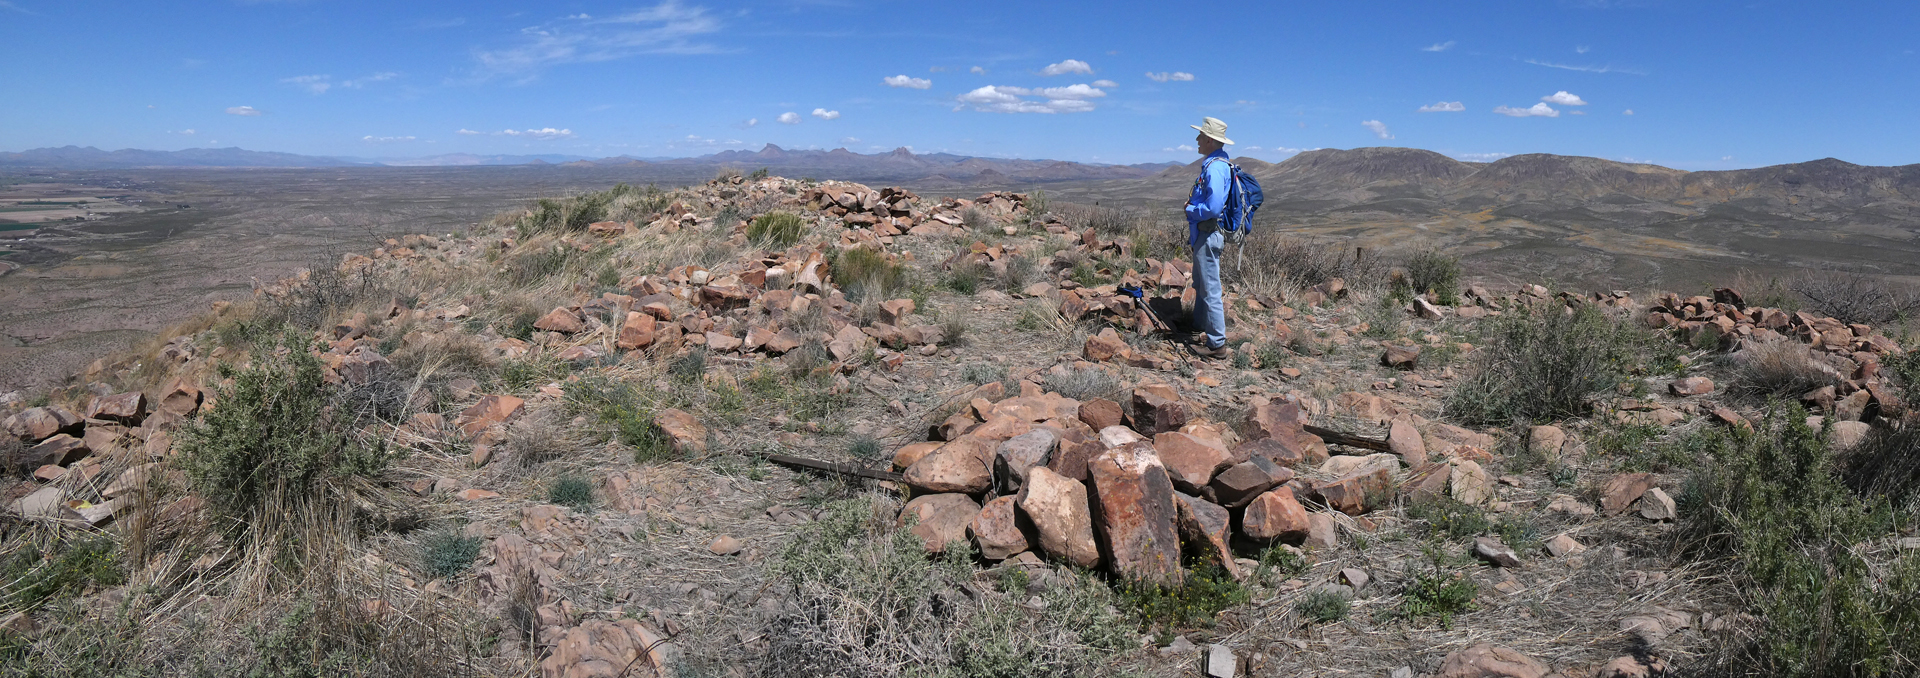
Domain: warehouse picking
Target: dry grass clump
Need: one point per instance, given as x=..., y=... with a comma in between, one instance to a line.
x=1279, y=264
x=1541, y=363
x=1782, y=368
x=871, y=602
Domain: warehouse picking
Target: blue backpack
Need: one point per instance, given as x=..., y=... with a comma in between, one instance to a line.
x=1243, y=199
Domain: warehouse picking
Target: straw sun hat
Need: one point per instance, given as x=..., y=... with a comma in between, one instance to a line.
x=1214, y=128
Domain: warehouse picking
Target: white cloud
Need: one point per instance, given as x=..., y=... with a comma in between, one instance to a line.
x=850, y=140
x=1005, y=99
x=1584, y=69
x=1068, y=66
x=789, y=118
x=1444, y=107
x=749, y=122
x=1726, y=157
x=243, y=110
x=1379, y=128
x=1175, y=76
x=1439, y=46
x=4, y=4
x=543, y=134
x=1628, y=112
x=1109, y=84
x=1564, y=98
x=187, y=132
x=317, y=84
x=465, y=131
x=825, y=114
x=357, y=83
x=907, y=82
x=1582, y=49
x=976, y=70
x=385, y=140
x=666, y=28
x=1540, y=110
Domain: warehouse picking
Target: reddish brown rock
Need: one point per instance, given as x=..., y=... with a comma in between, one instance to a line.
x=1622, y=489
x=1207, y=528
x=1469, y=483
x=636, y=333
x=1400, y=357
x=491, y=410
x=1690, y=386
x=599, y=648
x=939, y=519
x=964, y=464
x=560, y=320
x=180, y=397
x=1276, y=515
x=689, y=436
x=1486, y=660
x=1156, y=412
x=1100, y=413
x=40, y=423
x=1322, y=532
x=1191, y=461
x=1136, y=514
x=1076, y=449
x=1427, y=483
x=59, y=450
x=1404, y=439
x=1279, y=420
x=895, y=310
x=1240, y=483
x=1356, y=494
x=1105, y=346
x=124, y=408
x=957, y=425
x=1015, y=456
x=909, y=454
x=997, y=531
x=1058, y=507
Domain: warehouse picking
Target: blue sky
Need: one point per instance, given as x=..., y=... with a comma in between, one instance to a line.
x=1710, y=84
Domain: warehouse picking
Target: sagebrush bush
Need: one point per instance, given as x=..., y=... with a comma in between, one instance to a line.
x=982, y=373
x=871, y=602
x=1542, y=363
x=446, y=553
x=1085, y=383
x=1436, y=273
x=1271, y=262
x=1857, y=297
x=271, y=444
x=1772, y=503
x=777, y=230
x=1322, y=605
x=572, y=491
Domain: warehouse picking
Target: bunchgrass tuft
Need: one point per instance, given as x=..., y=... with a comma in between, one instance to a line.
x=571, y=491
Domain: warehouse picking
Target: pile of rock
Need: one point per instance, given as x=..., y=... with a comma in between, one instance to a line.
x=1097, y=484
x=113, y=447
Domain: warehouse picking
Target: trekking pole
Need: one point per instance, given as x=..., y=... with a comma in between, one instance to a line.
x=1139, y=300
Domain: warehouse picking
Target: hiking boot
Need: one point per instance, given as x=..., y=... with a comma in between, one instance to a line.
x=1203, y=351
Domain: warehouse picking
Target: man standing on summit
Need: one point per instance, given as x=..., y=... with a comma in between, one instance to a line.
x=1205, y=208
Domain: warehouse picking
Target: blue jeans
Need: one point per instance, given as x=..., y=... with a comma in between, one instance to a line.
x=1209, y=313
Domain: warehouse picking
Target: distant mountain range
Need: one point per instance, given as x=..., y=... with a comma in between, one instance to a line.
x=897, y=165
x=1558, y=189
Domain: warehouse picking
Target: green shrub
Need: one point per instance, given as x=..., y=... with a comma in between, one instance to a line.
x=1322, y=605
x=627, y=412
x=864, y=448
x=525, y=373
x=1204, y=593
x=1278, y=563
x=446, y=553
x=529, y=265
x=567, y=214
x=777, y=230
x=964, y=277
x=1084, y=383
x=1435, y=273
x=29, y=578
x=1772, y=505
x=571, y=491
x=1543, y=364
x=689, y=368
x=270, y=447
x=1438, y=594
x=864, y=273
x=1450, y=517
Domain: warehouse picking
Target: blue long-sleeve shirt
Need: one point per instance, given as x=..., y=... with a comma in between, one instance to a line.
x=1209, y=198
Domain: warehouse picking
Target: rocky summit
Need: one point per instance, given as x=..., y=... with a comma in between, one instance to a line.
x=767, y=426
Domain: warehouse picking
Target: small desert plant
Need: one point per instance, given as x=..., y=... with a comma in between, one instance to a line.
x=953, y=330
x=965, y=276
x=757, y=174
x=1205, y=593
x=1432, y=272
x=865, y=274
x=1084, y=383
x=446, y=553
x=1542, y=363
x=1446, y=516
x=1886, y=464
x=1782, y=368
x=1279, y=563
x=571, y=491
x=1438, y=593
x=975, y=220
x=982, y=373
x=864, y=448
x=1274, y=262
x=1019, y=273
x=535, y=262
x=777, y=230
x=1323, y=605
x=31, y=577
x=689, y=368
